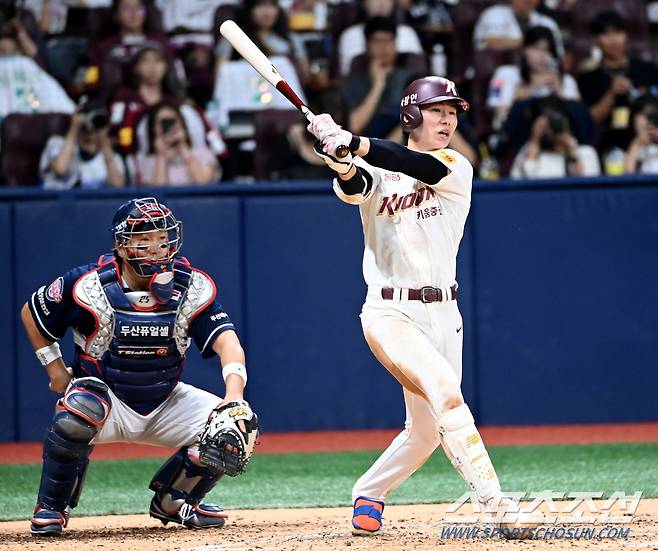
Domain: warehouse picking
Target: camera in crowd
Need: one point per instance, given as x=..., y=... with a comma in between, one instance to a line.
x=557, y=124
x=95, y=114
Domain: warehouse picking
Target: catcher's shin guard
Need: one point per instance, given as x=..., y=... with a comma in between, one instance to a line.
x=79, y=416
x=180, y=486
x=465, y=449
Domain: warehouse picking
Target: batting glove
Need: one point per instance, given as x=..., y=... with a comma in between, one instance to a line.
x=341, y=166
x=322, y=126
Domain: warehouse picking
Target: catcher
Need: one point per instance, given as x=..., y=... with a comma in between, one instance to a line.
x=133, y=315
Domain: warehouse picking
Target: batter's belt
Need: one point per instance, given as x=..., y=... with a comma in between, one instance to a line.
x=424, y=294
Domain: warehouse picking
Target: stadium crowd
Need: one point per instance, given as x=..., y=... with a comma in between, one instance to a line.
x=98, y=93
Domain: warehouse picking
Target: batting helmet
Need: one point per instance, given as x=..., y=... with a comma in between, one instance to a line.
x=142, y=216
x=423, y=92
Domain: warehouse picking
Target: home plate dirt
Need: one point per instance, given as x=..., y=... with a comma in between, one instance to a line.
x=414, y=527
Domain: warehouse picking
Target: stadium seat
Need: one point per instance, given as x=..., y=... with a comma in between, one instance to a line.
x=23, y=138
x=633, y=11
x=342, y=15
x=100, y=24
x=270, y=125
x=485, y=64
x=464, y=16
x=223, y=13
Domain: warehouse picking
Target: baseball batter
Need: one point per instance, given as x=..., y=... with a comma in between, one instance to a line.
x=413, y=202
x=133, y=314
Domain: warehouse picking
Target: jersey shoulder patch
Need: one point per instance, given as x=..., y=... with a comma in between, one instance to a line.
x=449, y=157
x=454, y=161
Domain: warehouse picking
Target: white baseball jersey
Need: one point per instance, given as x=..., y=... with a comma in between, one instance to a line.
x=412, y=229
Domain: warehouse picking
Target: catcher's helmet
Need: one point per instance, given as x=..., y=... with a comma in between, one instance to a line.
x=142, y=216
x=423, y=92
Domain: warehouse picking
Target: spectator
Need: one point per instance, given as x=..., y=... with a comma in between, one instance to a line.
x=538, y=74
x=84, y=157
x=26, y=87
x=373, y=100
x=610, y=89
x=129, y=17
x=189, y=27
x=502, y=27
x=552, y=150
x=352, y=41
x=642, y=155
x=151, y=81
x=265, y=22
x=292, y=157
x=12, y=22
x=67, y=48
x=172, y=160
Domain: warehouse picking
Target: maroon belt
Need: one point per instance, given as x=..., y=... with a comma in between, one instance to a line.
x=425, y=294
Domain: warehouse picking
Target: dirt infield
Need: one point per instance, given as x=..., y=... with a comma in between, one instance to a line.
x=416, y=527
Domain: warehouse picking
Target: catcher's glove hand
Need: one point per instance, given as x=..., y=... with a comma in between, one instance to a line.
x=227, y=441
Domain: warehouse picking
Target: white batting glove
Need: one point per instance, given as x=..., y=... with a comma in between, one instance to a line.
x=330, y=144
x=341, y=166
x=322, y=126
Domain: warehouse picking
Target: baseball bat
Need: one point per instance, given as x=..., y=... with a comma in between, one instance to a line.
x=259, y=61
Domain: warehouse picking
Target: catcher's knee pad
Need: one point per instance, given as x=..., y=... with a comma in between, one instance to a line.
x=464, y=447
x=79, y=416
x=182, y=479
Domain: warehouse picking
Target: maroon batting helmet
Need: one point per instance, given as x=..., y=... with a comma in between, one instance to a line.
x=423, y=92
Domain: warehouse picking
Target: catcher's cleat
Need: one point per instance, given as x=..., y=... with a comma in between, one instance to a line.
x=367, y=516
x=46, y=522
x=190, y=515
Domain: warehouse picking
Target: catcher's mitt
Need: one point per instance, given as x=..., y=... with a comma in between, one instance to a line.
x=227, y=441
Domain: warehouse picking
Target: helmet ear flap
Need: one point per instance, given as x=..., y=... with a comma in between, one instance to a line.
x=410, y=117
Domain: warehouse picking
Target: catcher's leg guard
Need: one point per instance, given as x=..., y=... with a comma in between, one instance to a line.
x=180, y=486
x=79, y=416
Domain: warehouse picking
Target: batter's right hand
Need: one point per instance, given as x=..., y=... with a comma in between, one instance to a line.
x=341, y=166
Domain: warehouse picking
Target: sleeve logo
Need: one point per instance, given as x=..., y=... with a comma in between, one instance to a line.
x=55, y=290
x=444, y=155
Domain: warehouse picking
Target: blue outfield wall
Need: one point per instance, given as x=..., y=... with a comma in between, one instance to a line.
x=557, y=290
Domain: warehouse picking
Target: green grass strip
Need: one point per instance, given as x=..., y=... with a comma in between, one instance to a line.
x=326, y=479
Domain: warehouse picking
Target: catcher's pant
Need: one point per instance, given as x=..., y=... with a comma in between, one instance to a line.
x=173, y=424
x=422, y=344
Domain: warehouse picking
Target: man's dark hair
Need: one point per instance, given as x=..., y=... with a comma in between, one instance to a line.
x=379, y=24
x=607, y=21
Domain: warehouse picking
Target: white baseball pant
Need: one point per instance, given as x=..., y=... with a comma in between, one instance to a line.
x=421, y=345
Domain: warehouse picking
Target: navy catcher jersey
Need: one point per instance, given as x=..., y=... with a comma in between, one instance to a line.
x=54, y=310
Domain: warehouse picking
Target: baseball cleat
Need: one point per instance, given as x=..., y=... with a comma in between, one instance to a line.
x=190, y=515
x=46, y=522
x=367, y=516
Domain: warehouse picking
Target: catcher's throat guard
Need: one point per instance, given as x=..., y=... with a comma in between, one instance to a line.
x=227, y=441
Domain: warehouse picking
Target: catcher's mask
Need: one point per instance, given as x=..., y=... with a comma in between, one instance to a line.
x=425, y=91
x=140, y=217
